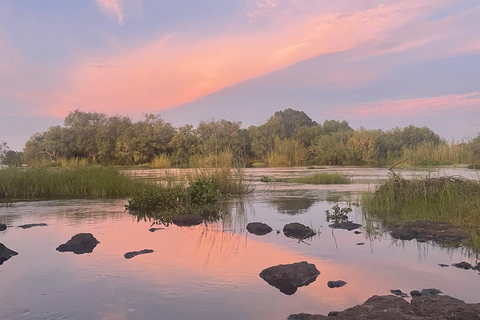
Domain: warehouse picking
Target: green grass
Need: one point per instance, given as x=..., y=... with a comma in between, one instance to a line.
x=323, y=178
x=474, y=166
x=64, y=183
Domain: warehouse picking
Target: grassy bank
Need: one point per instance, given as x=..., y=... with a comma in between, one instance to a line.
x=452, y=199
x=61, y=183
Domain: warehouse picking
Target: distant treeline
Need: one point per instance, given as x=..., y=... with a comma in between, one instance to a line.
x=288, y=138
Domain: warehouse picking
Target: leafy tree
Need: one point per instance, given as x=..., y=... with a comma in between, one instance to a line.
x=185, y=143
x=331, y=126
x=12, y=158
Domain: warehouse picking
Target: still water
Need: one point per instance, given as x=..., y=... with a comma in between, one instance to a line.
x=212, y=271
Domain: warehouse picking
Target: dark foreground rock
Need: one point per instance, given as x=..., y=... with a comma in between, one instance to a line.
x=463, y=265
x=425, y=292
x=155, y=229
x=288, y=277
x=79, y=243
x=6, y=253
x=336, y=284
x=187, y=220
x=438, y=231
x=31, y=225
x=396, y=308
x=3, y=226
x=131, y=254
x=346, y=225
x=399, y=293
x=298, y=231
x=259, y=228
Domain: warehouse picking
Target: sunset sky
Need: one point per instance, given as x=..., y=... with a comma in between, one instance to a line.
x=377, y=64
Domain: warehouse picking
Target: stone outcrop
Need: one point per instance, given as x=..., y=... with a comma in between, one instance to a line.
x=6, y=253
x=187, y=220
x=288, y=277
x=438, y=231
x=79, y=244
x=31, y=225
x=346, y=225
x=298, y=231
x=131, y=254
x=259, y=228
x=336, y=284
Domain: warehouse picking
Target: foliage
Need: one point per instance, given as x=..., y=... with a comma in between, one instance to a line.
x=338, y=215
x=474, y=166
x=323, y=178
x=287, y=152
x=161, y=161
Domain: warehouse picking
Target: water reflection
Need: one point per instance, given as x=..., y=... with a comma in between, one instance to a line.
x=292, y=206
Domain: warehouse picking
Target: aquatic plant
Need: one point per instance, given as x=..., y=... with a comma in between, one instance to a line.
x=338, y=215
x=323, y=178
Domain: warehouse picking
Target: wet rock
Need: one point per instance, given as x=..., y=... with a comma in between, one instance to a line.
x=288, y=277
x=298, y=231
x=463, y=265
x=336, y=284
x=395, y=308
x=259, y=228
x=155, y=229
x=357, y=232
x=443, y=265
x=3, y=226
x=346, y=225
x=438, y=231
x=360, y=243
x=425, y=292
x=399, y=293
x=187, y=220
x=31, y=225
x=477, y=267
x=6, y=253
x=131, y=254
x=79, y=244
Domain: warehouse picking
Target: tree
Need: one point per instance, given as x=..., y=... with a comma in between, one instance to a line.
x=331, y=126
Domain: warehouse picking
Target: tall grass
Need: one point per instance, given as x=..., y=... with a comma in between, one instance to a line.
x=220, y=160
x=60, y=183
x=442, y=154
x=323, y=178
x=161, y=161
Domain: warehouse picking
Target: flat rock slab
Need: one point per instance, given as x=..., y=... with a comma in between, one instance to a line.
x=31, y=225
x=336, y=284
x=79, y=244
x=6, y=253
x=3, y=226
x=288, y=277
x=426, y=230
x=346, y=225
x=155, y=229
x=298, y=231
x=187, y=220
x=131, y=254
x=396, y=308
x=259, y=228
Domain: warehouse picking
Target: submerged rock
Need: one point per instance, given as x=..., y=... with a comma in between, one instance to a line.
x=357, y=232
x=441, y=232
x=443, y=265
x=6, y=253
x=463, y=265
x=3, y=226
x=298, y=231
x=399, y=293
x=336, y=284
x=259, y=228
x=79, y=243
x=288, y=277
x=346, y=225
x=396, y=308
x=187, y=220
x=155, y=229
x=360, y=243
x=31, y=225
x=131, y=254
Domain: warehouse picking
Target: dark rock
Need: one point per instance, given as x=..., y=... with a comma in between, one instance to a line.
x=477, y=267
x=333, y=313
x=416, y=293
x=131, y=254
x=79, y=243
x=463, y=265
x=288, y=277
x=3, y=226
x=399, y=293
x=346, y=225
x=443, y=265
x=438, y=231
x=155, y=229
x=360, y=243
x=396, y=308
x=259, y=228
x=306, y=316
x=187, y=220
x=425, y=292
x=298, y=231
x=357, y=232
x=31, y=225
x=336, y=284
x=6, y=253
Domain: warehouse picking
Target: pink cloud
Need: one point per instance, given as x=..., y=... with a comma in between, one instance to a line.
x=418, y=106
x=181, y=68
x=114, y=7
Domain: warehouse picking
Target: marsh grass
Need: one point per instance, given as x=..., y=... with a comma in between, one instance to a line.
x=161, y=161
x=323, y=178
x=60, y=183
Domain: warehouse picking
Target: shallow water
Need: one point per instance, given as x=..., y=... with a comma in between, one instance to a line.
x=211, y=271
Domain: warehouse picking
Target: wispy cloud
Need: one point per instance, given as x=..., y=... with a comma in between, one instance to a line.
x=114, y=7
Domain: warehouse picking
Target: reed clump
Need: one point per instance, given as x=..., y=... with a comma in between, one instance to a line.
x=161, y=161
x=64, y=183
x=323, y=178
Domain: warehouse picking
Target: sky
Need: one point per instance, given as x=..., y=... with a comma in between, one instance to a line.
x=376, y=64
